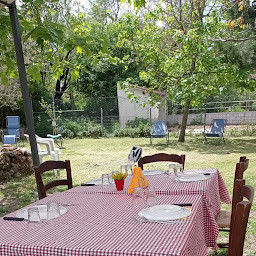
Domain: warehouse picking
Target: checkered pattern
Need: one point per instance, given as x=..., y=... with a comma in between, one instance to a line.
x=213, y=191
x=102, y=225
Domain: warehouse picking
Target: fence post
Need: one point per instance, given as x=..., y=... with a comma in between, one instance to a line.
x=101, y=120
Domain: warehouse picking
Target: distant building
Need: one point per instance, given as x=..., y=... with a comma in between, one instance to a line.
x=130, y=110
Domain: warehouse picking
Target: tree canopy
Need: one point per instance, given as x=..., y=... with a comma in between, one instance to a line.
x=189, y=49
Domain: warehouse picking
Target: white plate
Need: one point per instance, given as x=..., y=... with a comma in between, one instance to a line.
x=42, y=212
x=152, y=172
x=165, y=212
x=192, y=177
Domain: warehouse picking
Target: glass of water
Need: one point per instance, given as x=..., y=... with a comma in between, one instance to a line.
x=138, y=201
x=105, y=179
x=33, y=215
x=151, y=197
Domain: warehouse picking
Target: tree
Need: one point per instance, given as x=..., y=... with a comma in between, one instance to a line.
x=55, y=41
x=183, y=57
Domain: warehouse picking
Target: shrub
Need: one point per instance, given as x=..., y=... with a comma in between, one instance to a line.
x=93, y=130
x=71, y=129
x=198, y=120
x=134, y=128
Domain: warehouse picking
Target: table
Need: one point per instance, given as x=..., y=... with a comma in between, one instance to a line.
x=213, y=191
x=102, y=224
x=99, y=222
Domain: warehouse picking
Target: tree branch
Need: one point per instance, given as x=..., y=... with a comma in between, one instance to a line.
x=234, y=39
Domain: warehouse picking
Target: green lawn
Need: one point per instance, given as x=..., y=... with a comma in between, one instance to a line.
x=92, y=157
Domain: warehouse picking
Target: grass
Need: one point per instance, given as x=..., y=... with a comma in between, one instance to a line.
x=90, y=158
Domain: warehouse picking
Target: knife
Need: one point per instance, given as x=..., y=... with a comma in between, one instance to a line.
x=207, y=174
x=87, y=184
x=185, y=204
x=13, y=218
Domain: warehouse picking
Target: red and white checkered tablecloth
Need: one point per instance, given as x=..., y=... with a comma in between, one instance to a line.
x=213, y=191
x=102, y=225
x=214, y=188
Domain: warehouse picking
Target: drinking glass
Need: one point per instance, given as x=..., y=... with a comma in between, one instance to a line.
x=138, y=201
x=180, y=168
x=33, y=215
x=105, y=179
x=110, y=179
x=53, y=210
x=126, y=168
x=151, y=197
x=173, y=168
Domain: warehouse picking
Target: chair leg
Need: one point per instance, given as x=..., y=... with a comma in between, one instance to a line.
x=205, y=140
x=150, y=140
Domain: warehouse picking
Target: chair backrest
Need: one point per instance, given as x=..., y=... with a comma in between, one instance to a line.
x=160, y=157
x=239, y=217
x=13, y=125
x=38, y=145
x=160, y=128
x=241, y=167
x=50, y=165
x=239, y=174
x=218, y=126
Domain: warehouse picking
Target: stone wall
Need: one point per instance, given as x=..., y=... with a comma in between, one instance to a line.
x=233, y=118
x=14, y=162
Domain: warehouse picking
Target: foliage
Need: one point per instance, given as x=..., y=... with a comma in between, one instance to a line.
x=84, y=128
x=43, y=125
x=139, y=127
x=198, y=120
x=119, y=176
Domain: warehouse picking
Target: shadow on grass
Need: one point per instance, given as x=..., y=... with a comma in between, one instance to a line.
x=232, y=145
x=21, y=192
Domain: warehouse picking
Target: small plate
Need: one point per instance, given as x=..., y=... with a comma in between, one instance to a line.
x=42, y=211
x=192, y=177
x=152, y=172
x=165, y=212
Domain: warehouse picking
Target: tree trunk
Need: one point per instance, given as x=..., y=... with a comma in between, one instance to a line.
x=72, y=100
x=184, y=122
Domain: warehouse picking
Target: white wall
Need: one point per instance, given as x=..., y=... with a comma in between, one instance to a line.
x=130, y=110
x=234, y=118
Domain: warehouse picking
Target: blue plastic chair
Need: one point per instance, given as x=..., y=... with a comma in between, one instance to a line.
x=13, y=129
x=217, y=130
x=159, y=131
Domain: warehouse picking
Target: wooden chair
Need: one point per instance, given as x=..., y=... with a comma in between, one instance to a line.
x=223, y=218
x=239, y=218
x=160, y=157
x=51, y=165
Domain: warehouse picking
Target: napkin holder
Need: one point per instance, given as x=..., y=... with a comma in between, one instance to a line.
x=138, y=180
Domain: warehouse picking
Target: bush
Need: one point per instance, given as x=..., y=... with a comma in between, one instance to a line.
x=198, y=120
x=81, y=129
x=71, y=129
x=93, y=130
x=134, y=128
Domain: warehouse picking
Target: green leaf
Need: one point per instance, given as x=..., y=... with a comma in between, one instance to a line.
x=79, y=49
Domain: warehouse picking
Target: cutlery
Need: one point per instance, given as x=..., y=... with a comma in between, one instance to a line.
x=156, y=221
x=13, y=218
x=87, y=184
x=185, y=204
x=207, y=173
